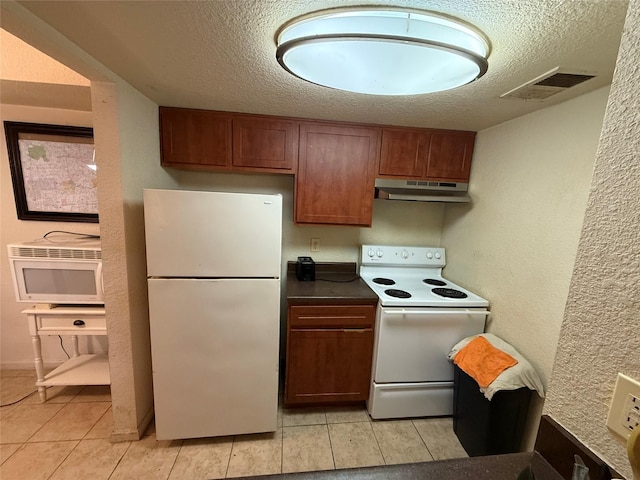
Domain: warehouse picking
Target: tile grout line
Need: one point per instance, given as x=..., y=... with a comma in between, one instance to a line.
x=333, y=458
x=175, y=460
x=282, y=448
x=378, y=443
x=65, y=458
x=423, y=440
x=120, y=460
x=233, y=442
x=373, y=430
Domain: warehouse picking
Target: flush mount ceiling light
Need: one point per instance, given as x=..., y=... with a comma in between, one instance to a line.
x=383, y=51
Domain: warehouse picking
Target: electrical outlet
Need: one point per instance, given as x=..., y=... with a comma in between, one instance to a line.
x=624, y=412
x=632, y=408
x=315, y=245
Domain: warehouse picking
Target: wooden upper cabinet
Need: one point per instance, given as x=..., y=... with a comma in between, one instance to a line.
x=336, y=172
x=450, y=156
x=265, y=143
x=404, y=153
x=423, y=154
x=195, y=138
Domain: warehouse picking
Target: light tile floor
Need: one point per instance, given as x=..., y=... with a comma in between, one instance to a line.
x=68, y=438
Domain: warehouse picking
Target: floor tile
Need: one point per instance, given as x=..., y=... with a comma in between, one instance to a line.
x=293, y=417
x=57, y=394
x=258, y=454
x=72, y=422
x=147, y=459
x=94, y=393
x=28, y=372
x=306, y=448
x=400, y=442
x=439, y=437
x=7, y=450
x=354, y=445
x=346, y=414
x=95, y=459
x=16, y=388
x=23, y=421
x=202, y=459
x=22, y=465
x=5, y=410
x=103, y=427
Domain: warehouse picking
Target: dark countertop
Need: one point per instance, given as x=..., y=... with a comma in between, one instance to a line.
x=493, y=467
x=336, y=283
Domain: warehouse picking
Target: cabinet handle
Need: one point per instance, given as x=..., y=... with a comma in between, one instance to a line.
x=78, y=323
x=354, y=330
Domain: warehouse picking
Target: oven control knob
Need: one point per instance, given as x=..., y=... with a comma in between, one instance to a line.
x=371, y=252
x=438, y=255
x=379, y=253
x=404, y=254
x=429, y=255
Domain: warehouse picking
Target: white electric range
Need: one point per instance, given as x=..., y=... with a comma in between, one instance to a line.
x=420, y=316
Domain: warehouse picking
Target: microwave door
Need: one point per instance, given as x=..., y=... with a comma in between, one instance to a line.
x=51, y=281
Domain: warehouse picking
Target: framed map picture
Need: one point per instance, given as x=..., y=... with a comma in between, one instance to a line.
x=53, y=171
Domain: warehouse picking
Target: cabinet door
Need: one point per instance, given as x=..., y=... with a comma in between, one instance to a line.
x=404, y=153
x=195, y=138
x=336, y=172
x=450, y=156
x=265, y=143
x=328, y=365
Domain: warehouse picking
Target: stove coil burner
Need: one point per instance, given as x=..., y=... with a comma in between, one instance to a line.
x=392, y=292
x=433, y=281
x=383, y=281
x=449, y=293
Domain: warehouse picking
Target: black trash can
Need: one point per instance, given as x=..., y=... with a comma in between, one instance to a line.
x=488, y=427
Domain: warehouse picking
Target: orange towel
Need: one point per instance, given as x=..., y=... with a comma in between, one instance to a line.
x=482, y=361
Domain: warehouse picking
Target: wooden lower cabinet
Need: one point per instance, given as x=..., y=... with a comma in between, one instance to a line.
x=329, y=352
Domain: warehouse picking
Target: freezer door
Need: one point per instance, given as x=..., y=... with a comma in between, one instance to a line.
x=212, y=234
x=214, y=349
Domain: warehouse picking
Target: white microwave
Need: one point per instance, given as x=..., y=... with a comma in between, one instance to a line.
x=57, y=272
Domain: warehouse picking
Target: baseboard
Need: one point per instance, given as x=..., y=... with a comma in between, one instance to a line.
x=118, y=436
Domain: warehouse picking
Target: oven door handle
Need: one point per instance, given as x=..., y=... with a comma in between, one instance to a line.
x=413, y=311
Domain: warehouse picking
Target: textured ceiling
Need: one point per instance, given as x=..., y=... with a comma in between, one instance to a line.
x=220, y=55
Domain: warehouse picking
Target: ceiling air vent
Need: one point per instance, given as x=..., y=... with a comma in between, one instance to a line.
x=550, y=83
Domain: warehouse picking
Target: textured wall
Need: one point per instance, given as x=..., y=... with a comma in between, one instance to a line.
x=516, y=243
x=600, y=335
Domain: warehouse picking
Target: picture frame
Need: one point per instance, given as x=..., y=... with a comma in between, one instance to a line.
x=53, y=172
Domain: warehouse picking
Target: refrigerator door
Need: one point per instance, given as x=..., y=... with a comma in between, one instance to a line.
x=214, y=346
x=212, y=234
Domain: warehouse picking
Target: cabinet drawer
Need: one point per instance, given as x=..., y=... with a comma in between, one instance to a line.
x=66, y=323
x=331, y=316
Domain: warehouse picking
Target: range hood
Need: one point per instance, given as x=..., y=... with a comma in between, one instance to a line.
x=422, y=191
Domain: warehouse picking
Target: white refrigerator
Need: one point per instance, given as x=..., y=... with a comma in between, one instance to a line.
x=213, y=266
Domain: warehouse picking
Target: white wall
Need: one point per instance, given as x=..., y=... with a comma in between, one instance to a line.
x=15, y=342
x=600, y=335
x=516, y=243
